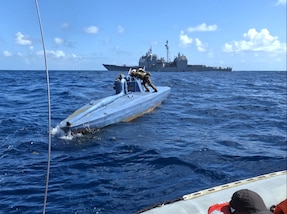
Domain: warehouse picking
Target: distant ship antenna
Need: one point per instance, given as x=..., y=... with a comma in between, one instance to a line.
x=167, y=51
x=49, y=108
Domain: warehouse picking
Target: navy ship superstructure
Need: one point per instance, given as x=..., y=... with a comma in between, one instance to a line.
x=151, y=62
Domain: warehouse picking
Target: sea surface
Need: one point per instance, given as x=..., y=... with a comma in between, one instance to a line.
x=214, y=128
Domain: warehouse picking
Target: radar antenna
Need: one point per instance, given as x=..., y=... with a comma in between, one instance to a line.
x=167, y=51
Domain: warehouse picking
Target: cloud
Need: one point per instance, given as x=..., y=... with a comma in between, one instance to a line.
x=59, y=54
x=184, y=39
x=121, y=29
x=202, y=28
x=200, y=46
x=22, y=40
x=7, y=53
x=281, y=2
x=65, y=26
x=255, y=41
x=74, y=56
x=58, y=40
x=20, y=54
x=91, y=29
x=55, y=54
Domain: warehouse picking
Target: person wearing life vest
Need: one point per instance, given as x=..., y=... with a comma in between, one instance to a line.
x=280, y=208
x=145, y=77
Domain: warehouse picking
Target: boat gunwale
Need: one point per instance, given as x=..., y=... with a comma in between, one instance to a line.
x=215, y=189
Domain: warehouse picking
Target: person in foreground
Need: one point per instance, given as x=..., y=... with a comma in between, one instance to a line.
x=247, y=202
x=243, y=201
x=280, y=208
x=145, y=77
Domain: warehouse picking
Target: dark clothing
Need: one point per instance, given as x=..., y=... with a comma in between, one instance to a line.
x=145, y=77
x=248, y=202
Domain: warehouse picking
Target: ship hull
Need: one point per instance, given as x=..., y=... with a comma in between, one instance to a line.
x=190, y=68
x=124, y=68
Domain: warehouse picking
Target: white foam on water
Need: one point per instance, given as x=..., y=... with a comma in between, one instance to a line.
x=58, y=132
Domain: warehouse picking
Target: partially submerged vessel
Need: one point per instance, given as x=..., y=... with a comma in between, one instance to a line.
x=129, y=102
x=271, y=187
x=120, y=67
x=151, y=62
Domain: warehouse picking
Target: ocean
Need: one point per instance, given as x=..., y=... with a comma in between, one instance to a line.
x=214, y=128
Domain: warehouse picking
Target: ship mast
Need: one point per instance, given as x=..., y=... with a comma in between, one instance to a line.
x=167, y=51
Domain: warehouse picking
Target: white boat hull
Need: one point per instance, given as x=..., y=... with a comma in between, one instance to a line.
x=271, y=187
x=113, y=109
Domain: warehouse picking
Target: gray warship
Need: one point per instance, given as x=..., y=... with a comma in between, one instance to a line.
x=151, y=62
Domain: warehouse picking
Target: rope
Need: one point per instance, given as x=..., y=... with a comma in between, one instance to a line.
x=49, y=109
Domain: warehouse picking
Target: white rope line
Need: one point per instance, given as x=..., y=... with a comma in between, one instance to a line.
x=49, y=109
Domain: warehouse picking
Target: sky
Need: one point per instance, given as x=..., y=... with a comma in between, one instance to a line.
x=84, y=34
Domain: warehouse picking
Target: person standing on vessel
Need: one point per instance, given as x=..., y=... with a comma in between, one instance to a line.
x=145, y=77
x=120, y=84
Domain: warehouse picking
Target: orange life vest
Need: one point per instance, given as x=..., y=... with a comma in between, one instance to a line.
x=219, y=209
x=281, y=208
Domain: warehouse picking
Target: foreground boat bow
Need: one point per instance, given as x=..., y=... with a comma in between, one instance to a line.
x=271, y=187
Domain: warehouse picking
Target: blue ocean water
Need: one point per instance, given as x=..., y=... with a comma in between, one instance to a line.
x=214, y=128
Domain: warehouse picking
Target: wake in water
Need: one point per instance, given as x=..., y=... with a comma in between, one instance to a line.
x=59, y=133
